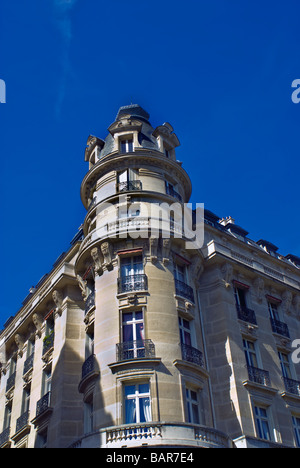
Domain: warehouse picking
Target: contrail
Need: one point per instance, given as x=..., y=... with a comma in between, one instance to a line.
x=64, y=24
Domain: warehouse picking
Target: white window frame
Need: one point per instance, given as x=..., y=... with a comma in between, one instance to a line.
x=137, y=396
x=296, y=427
x=193, y=403
x=261, y=420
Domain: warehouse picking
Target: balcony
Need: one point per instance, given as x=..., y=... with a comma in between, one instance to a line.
x=129, y=186
x=43, y=405
x=170, y=191
x=246, y=315
x=280, y=328
x=140, y=349
x=184, y=290
x=28, y=364
x=89, y=374
x=292, y=386
x=155, y=434
x=259, y=376
x=5, y=437
x=11, y=382
x=192, y=355
x=88, y=366
x=132, y=283
x=90, y=302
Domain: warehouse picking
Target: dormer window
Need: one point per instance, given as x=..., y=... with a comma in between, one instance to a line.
x=126, y=145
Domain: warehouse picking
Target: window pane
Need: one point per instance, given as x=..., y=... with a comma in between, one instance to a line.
x=195, y=410
x=130, y=409
x=129, y=390
x=144, y=388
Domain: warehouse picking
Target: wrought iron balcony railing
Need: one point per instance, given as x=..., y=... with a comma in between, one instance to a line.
x=48, y=342
x=90, y=302
x=259, y=376
x=280, y=328
x=132, y=283
x=22, y=421
x=140, y=349
x=88, y=366
x=28, y=364
x=184, y=290
x=245, y=314
x=173, y=193
x=292, y=386
x=129, y=186
x=43, y=404
x=191, y=354
x=4, y=436
x=11, y=381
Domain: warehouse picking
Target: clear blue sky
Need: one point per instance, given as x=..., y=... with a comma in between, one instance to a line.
x=219, y=71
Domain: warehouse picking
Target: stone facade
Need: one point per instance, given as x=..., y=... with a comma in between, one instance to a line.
x=135, y=340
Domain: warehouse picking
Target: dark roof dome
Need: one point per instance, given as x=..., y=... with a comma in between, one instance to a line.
x=134, y=110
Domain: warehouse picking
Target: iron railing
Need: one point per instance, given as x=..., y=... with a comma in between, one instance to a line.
x=43, y=404
x=139, y=349
x=259, y=376
x=280, y=328
x=292, y=386
x=191, y=354
x=90, y=302
x=28, y=364
x=129, y=186
x=88, y=366
x=4, y=436
x=245, y=314
x=10, y=381
x=132, y=283
x=184, y=290
x=48, y=342
x=173, y=193
x=22, y=421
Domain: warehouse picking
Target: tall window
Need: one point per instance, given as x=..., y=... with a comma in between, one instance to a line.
x=250, y=353
x=88, y=416
x=185, y=331
x=180, y=272
x=285, y=365
x=7, y=416
x=296, y=425
x=137, y=403
x=240, y=297
x=133, y=334
x=25, y=400
x=126, y=145
x=46, y=383
x=89, y=344
x=193, y=406
x=262, y=423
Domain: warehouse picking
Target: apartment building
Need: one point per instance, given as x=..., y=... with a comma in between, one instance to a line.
x=138, y=338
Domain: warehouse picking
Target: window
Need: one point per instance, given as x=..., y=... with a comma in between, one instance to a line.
x=25, y=400
x=137, y=403
x=262, y=423
x=30, y=348
x=193, y=406
x=88, y=416
x=132, y=266
x=126, y=145
x=180, y=273
x=185, y=332
x=296, y=426
x=133, y=326
x=41, y=439
x=250, y=353
x=285, y=365
x=273, y=310
x=89, y=344
x=7, y=416
x=240, y=297
x=46, y=383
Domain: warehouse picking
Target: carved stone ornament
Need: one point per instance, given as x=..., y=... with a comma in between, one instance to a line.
x=83, y=286
x=166, y=249
x=106, y=249
x=38, y=323
x=259, y=286
x=95, y=254
x=227, y=274
x=19, y=340
x=57, y=297
x=153, y=244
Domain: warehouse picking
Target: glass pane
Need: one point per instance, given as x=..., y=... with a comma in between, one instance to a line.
x=140, y=331
x=127, y=317
x=144, y=388
x=195, y=414
x=127, y=333
x=145, y=411
x=129, y=390
x=130, y=411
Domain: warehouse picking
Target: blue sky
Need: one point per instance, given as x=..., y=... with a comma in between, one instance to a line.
x=220, y=71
